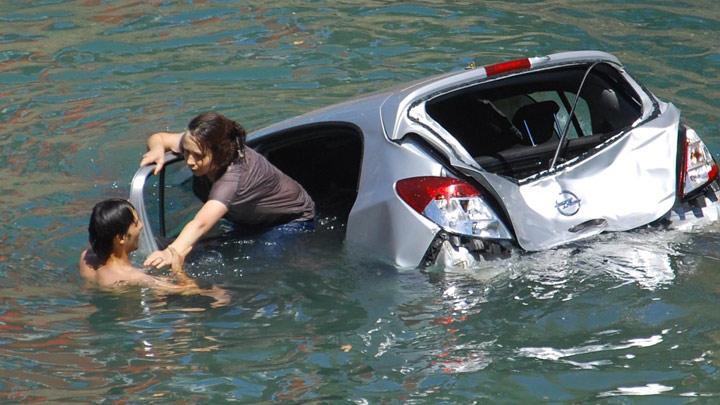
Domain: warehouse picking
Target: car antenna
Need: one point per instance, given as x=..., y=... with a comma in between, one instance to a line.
x=570, y=116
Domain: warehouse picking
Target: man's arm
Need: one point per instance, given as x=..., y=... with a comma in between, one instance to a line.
x=132, y=276
x=184, y=285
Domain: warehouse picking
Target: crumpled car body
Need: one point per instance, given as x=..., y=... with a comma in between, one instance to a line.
x=527, y=154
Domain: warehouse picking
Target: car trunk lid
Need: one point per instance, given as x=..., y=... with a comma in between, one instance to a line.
x=627, y=183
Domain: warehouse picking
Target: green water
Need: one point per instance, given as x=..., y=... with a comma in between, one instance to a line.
x=622, y=318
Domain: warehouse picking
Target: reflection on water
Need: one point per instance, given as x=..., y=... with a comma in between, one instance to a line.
x=643, y=258
x=549, y=353
x=649, y=389
x=83, y=83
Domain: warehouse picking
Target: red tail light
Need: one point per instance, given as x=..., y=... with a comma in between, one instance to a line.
x=452, y=204
x=699, y=168
x=713, y=172
x=504, y=67
x=418, y=192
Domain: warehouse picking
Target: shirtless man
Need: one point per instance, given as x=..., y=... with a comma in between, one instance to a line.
x=114, y=233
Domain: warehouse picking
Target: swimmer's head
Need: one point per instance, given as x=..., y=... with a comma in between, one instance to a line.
x=216, y=137
x=113, y=221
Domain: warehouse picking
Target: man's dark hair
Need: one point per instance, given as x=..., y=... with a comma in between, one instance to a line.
x=109, y=218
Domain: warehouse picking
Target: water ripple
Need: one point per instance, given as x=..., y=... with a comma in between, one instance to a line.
x=648, y=389
x=84, y=83
x=564, y=355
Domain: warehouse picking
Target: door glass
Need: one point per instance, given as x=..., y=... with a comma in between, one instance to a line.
x=180, y=202
x=169, y=209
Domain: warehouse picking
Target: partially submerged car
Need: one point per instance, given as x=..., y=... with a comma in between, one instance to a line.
x=527, y=154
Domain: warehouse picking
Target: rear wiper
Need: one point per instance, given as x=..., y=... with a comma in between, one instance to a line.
x=570, y=117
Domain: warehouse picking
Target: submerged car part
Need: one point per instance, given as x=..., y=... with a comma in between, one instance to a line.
x=163, y=202
x=621, y=161
x=459, y=251
x=628, y=183
x=701, y=208
x=614, y=171
x=147, y=243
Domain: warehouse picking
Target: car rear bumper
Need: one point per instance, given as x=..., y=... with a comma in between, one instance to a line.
x=695, y=212
x=453, y=251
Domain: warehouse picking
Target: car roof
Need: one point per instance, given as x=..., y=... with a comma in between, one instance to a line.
x=391, y=103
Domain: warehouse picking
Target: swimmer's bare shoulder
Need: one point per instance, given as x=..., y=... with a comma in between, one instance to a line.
x=88, y=266
x=118, y=278
x=108, y=276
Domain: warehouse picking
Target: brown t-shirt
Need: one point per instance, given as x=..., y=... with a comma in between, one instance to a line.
x=257, y=193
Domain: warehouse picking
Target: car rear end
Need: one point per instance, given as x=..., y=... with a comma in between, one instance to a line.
x=533, y=153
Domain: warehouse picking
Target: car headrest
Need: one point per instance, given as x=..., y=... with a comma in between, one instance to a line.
x=536, y=121
x=492, y=118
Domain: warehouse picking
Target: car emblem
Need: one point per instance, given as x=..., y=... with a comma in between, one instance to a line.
x=567, y=203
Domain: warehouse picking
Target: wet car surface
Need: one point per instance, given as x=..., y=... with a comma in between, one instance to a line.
x=528, y=154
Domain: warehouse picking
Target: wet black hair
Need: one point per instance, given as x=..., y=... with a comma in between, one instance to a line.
x=224, y=138
x=109, y=218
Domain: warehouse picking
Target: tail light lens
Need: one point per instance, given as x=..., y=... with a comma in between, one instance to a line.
x=699, y=168
x=453, y=204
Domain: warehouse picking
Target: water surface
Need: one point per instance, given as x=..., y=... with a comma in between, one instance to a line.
x=621, y=318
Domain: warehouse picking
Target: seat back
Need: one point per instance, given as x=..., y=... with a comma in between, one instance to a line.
x=493, y=130
x=536, y=121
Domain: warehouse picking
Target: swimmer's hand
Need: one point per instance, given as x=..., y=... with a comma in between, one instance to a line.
x=155, y=155
x=159, y=259
x=222, y=297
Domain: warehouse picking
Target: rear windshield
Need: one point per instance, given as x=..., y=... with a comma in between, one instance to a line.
x=533, y=109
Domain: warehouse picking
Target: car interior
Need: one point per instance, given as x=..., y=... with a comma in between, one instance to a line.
x=513, y=125
x=324, y=158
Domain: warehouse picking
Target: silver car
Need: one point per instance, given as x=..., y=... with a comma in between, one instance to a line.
x=527, y=154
